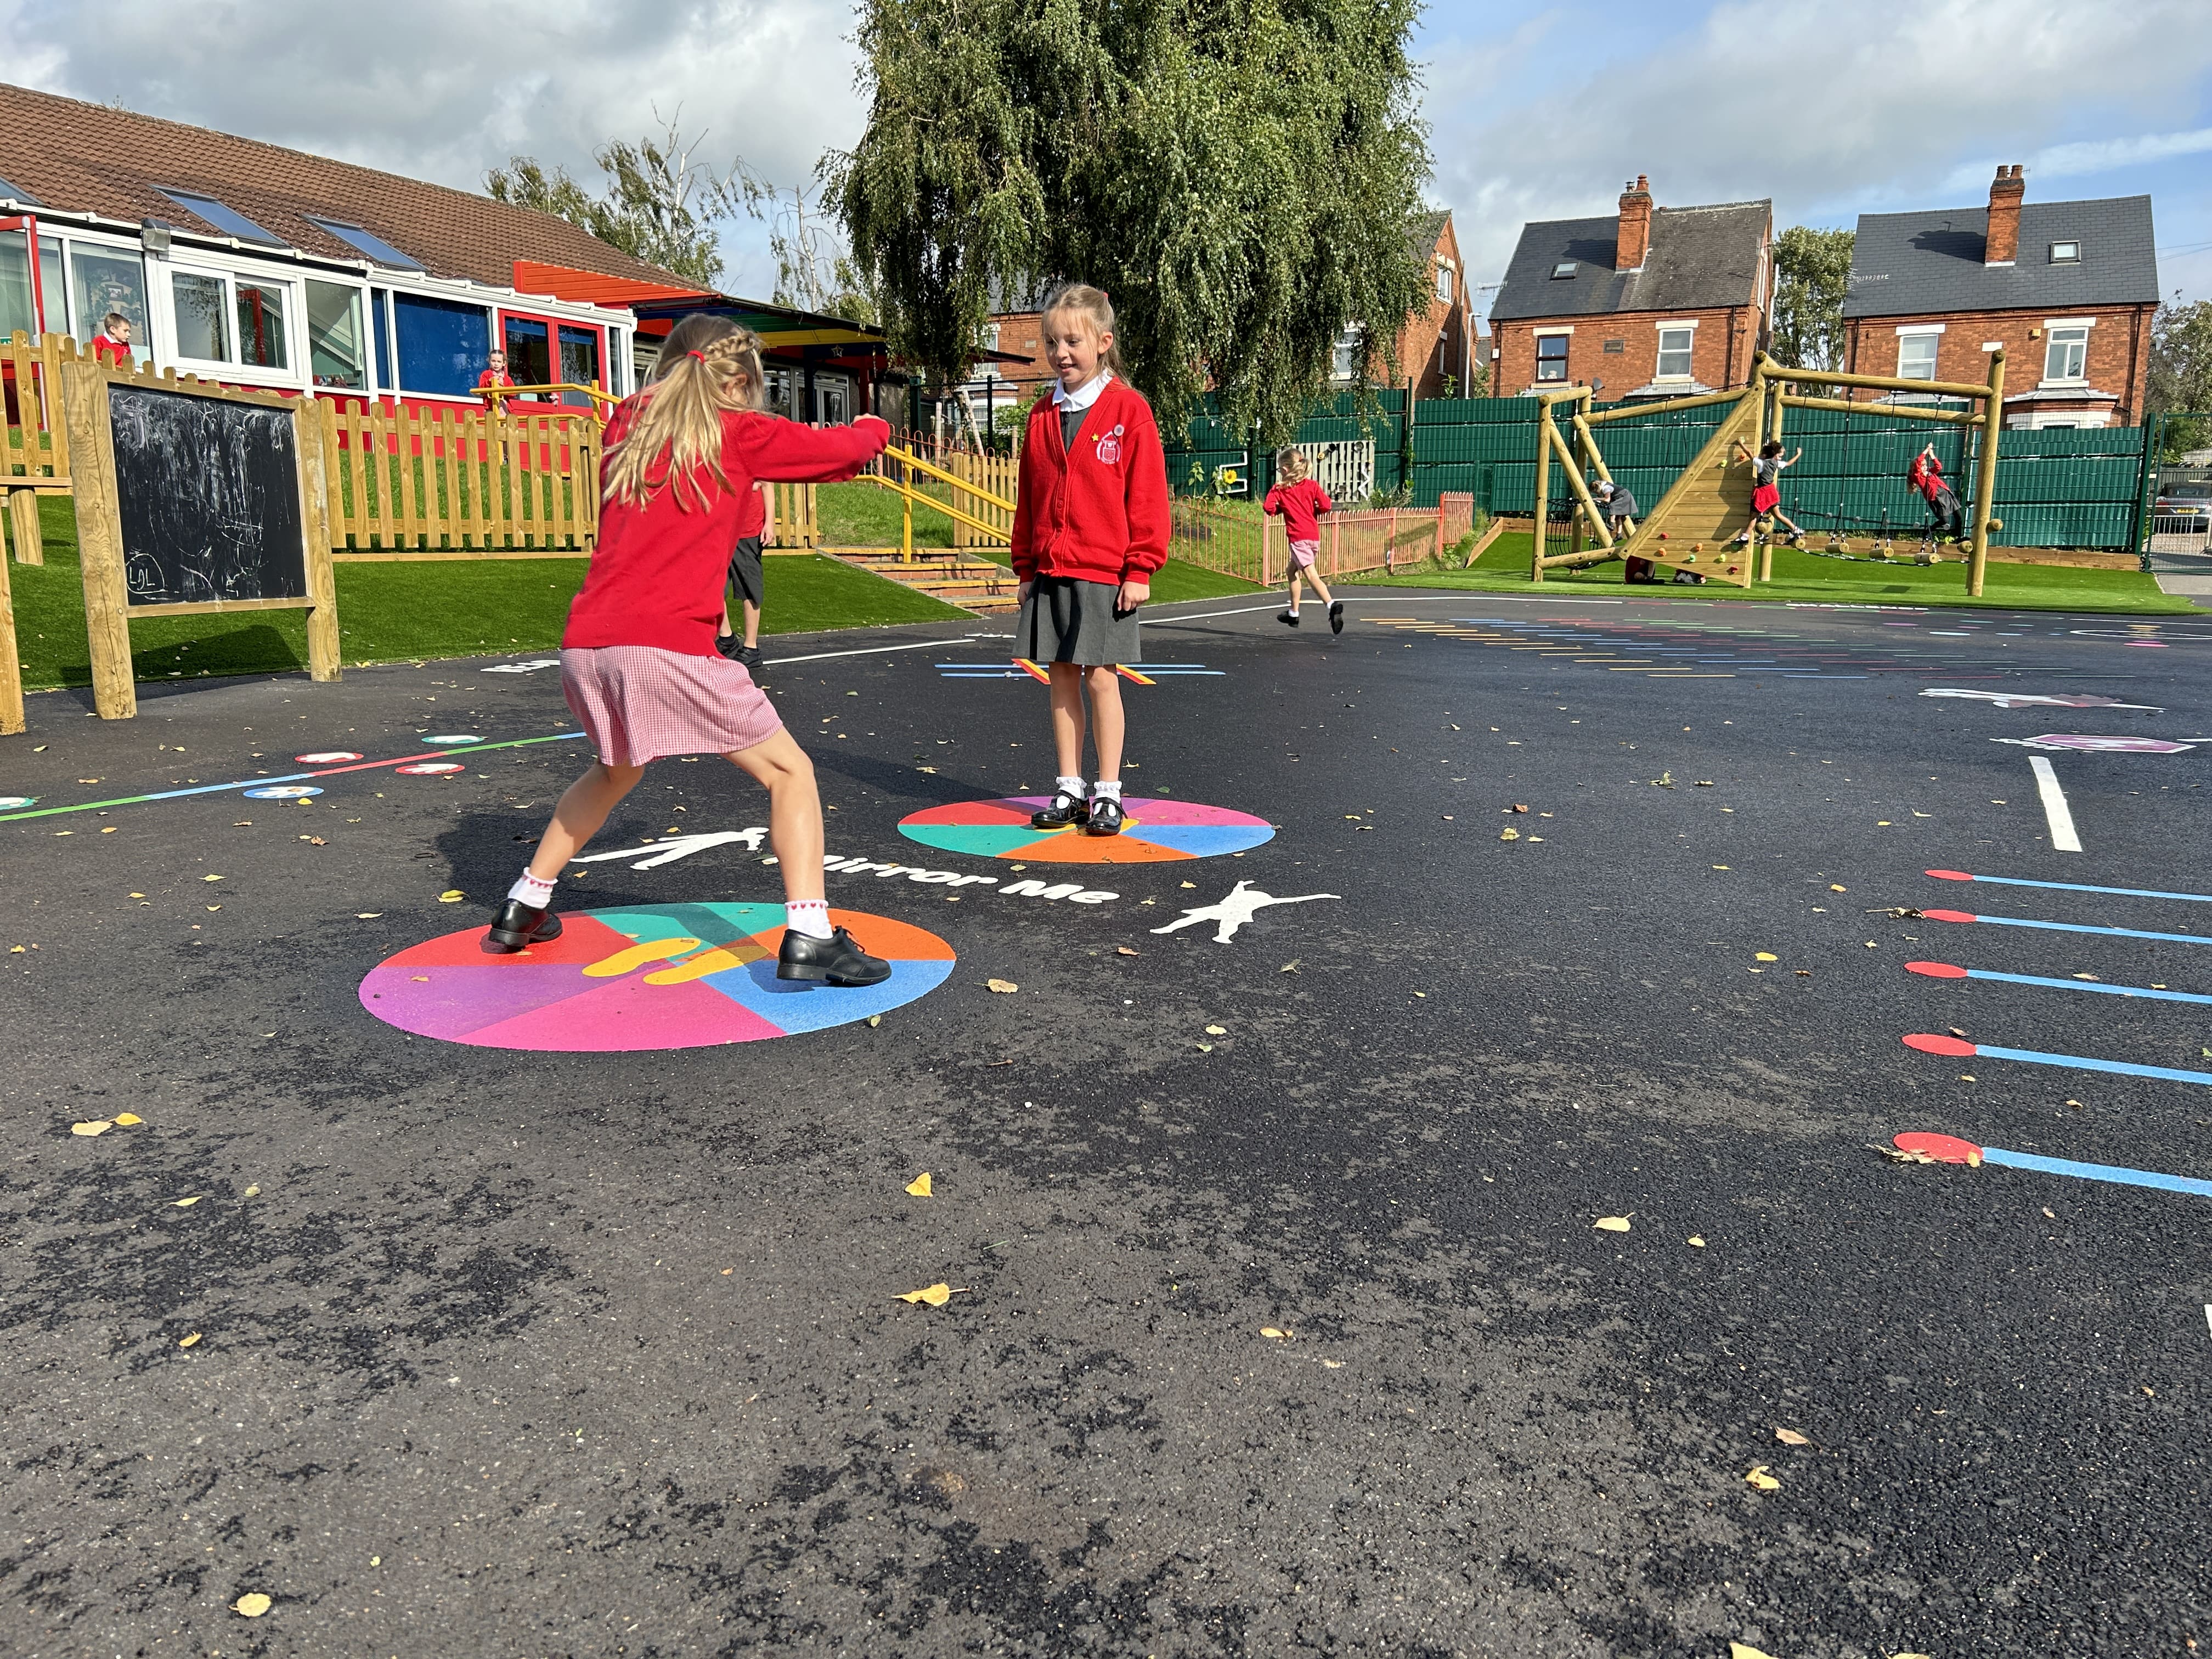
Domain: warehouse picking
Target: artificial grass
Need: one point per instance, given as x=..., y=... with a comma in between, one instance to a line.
x=1808, y=578
x=400, y=613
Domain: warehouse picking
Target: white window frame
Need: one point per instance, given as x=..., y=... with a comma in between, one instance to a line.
x=1660, y=332
x=1344, y=362
x=2053, y=257
x=366, y=295
x=295, y=376
x=2075, y=331
x=1447, y=285
x=1536, y=362
x=71, y=238
x=1916, y=332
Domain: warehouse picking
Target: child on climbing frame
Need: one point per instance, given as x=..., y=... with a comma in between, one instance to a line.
x=638, y=663
x=1620, y=510
x=1767, y=469
x=1091, y=527
x=1926, y=476
x=1299, y=501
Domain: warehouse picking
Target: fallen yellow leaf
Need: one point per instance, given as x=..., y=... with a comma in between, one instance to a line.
x=1004, y=987
x=186, y=1342
x=1124, y=951
x=253, y=1192
x=920, y=1186
x=875, y=1020
x=251, y=1605
x=1611, y=1224
x=1508, y=835
x=186, y=1203
x=1697, y=1241
x=1274, y=1336
x=1791, y=1437
x=1765, y=955
x=210, y=877
x=99, y=1125
x=1834, y=888
x=129, y=1117
x=452, y=896
x=1745, y=1651
x=1217, y=1030
x=1759, y=1478
x=1190, y=883
x=935, y=1295
x=367, y=915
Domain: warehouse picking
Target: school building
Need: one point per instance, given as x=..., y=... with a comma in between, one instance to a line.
x=254, y=264
x=1648, y=302
x=2067, y=289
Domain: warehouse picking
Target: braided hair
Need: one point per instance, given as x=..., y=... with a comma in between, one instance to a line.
x=708, y=365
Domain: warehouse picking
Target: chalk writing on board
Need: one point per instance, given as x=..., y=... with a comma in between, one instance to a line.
x=209, y=496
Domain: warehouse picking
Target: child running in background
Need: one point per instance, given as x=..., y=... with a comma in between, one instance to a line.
x=1300, y=501
x=745, y=577
x=1767, y=469
x=1090, y=525
x=638, y=664
x=1926, y=476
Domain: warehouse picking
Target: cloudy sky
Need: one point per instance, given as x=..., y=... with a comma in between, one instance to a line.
x=1831, y=110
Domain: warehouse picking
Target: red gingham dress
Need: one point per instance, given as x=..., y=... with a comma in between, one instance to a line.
x=638, y=703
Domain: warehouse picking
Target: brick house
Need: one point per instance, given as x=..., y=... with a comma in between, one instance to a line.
x=1436, y=348
x=2069, y=288
x=1653, y=302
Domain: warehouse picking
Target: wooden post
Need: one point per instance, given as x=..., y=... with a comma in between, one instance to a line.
x=1985, y=474
x=1573, y=458
x=11, y=666
x=23, y=520
x=1766, y=543
x=100, y=545
x=324, y=652
x=1546, y=437
x=1581, y=495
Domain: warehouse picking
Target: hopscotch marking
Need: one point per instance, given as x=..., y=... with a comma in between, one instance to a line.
x=1949, y=1149
x=2065, y=838
x=1947, y=970
x=1928, y=1042
x=2071, y=886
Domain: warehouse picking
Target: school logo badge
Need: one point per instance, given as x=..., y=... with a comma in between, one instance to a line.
x=1109, y=446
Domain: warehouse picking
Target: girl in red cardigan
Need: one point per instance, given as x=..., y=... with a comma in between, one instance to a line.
x=638, y=663
x=1090, y=525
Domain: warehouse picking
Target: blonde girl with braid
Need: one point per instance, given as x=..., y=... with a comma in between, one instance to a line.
x=638, y=662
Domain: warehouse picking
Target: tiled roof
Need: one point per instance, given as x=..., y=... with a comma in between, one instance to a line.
x=1916, y=264
x=1700, y=258
x=88, y=158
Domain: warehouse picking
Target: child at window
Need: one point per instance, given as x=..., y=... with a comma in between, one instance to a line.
x=497, y=374
x=1767, y=469
x=1090, y=525
x=111, y=345
x=1926, y=476
x=1300, y=501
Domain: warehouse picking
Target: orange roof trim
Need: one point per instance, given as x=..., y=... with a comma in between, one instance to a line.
x=595, y=288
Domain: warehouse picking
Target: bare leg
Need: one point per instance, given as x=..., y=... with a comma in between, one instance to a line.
x=1067, y=717
x=1106, y=720
x=794, y=811
x=582, y=808
x=1320, y=587
x=1290, y=599
x=752, y=623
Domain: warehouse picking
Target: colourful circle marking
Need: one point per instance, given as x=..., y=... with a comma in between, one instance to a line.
x=1154, y=832
x=283, y=792
x=16, y=803
x=653, y=976
x=429, y=769
x=455, y=736
x=326, y=757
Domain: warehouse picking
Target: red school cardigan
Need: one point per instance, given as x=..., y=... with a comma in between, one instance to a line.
x=1299, y=504
x=1100, y=513
x=657, y=577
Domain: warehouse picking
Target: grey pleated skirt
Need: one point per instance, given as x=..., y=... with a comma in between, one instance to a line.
x=1066, y=619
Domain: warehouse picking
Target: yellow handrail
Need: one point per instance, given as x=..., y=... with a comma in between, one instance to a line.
x=909, y=496
x=988, y=497
x=497, y=395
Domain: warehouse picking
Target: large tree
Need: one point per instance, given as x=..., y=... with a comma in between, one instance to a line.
x=660, y=205
x=1812, y=277
x=1237, y=174
x=2181, y=371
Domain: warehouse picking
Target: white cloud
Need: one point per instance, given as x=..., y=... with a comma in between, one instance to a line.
x=2096, y=156
x=443, y=91
x=1826, y=109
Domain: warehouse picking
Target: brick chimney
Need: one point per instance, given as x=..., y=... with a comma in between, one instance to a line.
x=2002, y=244
x=1635, y=237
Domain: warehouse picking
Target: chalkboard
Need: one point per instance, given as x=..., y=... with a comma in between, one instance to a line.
x=208, y=495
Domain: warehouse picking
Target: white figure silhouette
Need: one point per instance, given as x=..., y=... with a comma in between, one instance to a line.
x=655, y=854
x=1243, y=902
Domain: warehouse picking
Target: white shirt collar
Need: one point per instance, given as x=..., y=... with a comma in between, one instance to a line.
x=1086, y=395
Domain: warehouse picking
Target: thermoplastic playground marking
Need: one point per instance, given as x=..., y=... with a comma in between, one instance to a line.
x=1155, y=832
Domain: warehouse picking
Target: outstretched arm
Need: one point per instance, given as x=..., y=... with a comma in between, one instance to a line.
x=787, y=452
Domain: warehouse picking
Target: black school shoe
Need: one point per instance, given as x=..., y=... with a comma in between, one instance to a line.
x=729, y=646
x=1105, y=818
x=518, y=926
x=1064, y=810
x=1336, y=616
x=837, y=959
x=1288, y=618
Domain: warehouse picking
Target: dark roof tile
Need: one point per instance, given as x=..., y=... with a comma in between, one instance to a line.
x=1926, y=264
x=1700, y=257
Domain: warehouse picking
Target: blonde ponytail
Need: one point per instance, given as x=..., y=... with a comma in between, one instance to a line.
x=708, y=365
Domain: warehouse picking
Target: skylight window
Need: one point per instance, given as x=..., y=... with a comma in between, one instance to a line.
x=16, y=193
x=228, y=221
x=2066, y=253
x=1565, y=268
x=378, y=250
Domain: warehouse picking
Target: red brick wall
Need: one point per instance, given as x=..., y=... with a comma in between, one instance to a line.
x=1023, y=333
x=2118, y=360
x=1720, y=358
x=1450, y=324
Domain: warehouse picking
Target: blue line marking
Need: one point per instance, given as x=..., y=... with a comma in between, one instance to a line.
x=2083, y=927
x=2083, y=1063
x=2114, y=1172
x=2089, y=985
x=2078, y=887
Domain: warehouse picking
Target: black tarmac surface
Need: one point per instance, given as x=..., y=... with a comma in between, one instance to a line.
x=521, y=1353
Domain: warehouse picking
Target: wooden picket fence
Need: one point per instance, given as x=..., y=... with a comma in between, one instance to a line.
x=1000, y=474
x=35, y=460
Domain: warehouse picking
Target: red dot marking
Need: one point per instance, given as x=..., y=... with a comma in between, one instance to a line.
x=1936, y=969
x=1950, y=915
x=1944, y=1149
x=1928, y=1043
x=1950, y=875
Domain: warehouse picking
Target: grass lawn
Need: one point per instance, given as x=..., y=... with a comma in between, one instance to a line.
x=1807, y=577
x=399, y=612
